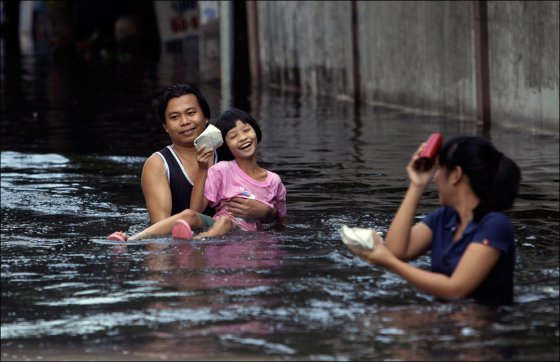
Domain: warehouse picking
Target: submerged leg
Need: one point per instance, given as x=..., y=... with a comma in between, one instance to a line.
x=164, y=227
x=221, y=227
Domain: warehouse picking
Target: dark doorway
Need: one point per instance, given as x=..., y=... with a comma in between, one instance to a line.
x=241, y=77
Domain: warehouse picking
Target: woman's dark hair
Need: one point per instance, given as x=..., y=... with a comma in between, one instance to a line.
x=179, y=90
x=226, y=122
x=494, y=178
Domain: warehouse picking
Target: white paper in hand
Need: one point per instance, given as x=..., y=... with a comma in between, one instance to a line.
x=211, y=138
x=357, y=236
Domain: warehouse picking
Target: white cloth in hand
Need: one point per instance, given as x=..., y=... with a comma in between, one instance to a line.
x=362, y=237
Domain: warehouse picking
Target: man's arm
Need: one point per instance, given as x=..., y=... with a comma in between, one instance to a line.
x=155, y=187
x=204, y=158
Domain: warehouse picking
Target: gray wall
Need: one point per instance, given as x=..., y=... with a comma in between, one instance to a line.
x=418, y=54
x=305, y=45
x=523, y=43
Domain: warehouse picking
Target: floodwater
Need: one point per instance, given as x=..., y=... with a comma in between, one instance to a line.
x=74, y=138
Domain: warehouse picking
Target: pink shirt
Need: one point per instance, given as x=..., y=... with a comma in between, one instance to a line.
x=226, y=180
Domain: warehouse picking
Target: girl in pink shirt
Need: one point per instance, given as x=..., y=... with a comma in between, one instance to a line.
x=238, y=175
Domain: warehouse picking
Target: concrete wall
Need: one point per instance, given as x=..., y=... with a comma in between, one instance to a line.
x=305, y=45
x=524, y=48
x=417, y=54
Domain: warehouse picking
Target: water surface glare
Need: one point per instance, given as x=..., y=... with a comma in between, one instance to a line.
x=299, y=294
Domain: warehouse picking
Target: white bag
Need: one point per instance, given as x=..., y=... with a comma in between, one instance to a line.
x=358, y=236
x=211, y=138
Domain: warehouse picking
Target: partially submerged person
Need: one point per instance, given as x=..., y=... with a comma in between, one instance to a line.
x=167, y=175
x=470, y=239
x=237, y=176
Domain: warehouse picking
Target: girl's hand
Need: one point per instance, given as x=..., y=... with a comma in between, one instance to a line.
x=419, y=178
x=380, y=255
x=205, y=157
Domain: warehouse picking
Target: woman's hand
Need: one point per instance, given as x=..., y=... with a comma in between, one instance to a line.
x=419, y=178
x=380, y=255
x=205, y=157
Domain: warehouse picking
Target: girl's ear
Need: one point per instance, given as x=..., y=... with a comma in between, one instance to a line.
x=165, y=128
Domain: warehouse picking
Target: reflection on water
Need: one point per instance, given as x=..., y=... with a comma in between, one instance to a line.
x=70, y=176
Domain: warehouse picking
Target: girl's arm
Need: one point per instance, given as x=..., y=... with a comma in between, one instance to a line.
x=474, y=266
x=204, y=157
x=281, y=213
x=270, y=215
x=253, y=209
x=281, y=223
x=405, y=240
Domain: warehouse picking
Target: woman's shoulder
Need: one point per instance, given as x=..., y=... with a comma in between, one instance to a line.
x=496, y=230
x=443, y=212
x=440, y=217
x=496, y=218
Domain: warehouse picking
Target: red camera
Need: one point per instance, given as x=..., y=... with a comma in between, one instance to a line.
x=429, y=151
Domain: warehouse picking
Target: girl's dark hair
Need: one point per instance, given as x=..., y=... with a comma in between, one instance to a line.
x=179, y=90
x=226, y=122
x=494, y=178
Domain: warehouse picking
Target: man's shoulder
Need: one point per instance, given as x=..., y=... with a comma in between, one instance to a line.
x=155, y=159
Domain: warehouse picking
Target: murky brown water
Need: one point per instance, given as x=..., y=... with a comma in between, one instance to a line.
x=74, y=139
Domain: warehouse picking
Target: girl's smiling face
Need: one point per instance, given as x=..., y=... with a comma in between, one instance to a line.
x=242, y=140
